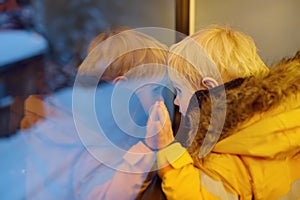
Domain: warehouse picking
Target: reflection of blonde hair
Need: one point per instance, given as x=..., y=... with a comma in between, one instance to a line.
x=119, y=52
x=103, y=36
x=223, y=54
x=234, y=52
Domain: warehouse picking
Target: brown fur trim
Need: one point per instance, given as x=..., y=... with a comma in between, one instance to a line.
x=255, y=95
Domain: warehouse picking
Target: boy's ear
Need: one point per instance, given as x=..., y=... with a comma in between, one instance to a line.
x=119, y=78
x=209, y=82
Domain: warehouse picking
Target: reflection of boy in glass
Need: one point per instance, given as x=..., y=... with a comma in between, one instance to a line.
x=72, y=170
x=142, y=71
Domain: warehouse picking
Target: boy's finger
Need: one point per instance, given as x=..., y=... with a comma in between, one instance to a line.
x=163, y=112
x=161, y=115
x=153, y=114
x=158, y=127
x=151, y=130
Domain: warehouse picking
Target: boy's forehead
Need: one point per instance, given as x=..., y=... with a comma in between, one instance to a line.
x=156, y=86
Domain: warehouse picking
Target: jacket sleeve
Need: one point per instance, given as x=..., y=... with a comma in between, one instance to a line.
x=184, y=180
x=94, y=180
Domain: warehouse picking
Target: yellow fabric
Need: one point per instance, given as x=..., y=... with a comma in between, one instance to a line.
x=216, y=187
x=273, y=178
x=171, y=155
x=263, y=157
x=265, y=138
x=294, y=192
x=233, y=174
x=259, y=161
x=185, y=181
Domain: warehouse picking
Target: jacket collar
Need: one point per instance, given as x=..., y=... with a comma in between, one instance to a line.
x=274, y=93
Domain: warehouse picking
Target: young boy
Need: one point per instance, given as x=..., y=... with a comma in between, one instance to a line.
x=211, y=57
x=66, y=155
x=259, y=137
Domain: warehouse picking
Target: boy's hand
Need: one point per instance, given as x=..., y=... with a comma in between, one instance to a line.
x=159, y=128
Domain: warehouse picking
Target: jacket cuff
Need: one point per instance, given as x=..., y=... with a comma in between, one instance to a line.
x=174, y=155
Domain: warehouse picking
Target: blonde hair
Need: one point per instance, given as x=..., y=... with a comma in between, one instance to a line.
x=188, y=60
x=234, y=53
x=101, y=37
x=179, y=68
x=222, y=53
x=119, y=52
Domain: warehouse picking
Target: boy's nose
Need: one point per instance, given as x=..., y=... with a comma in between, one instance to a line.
x=176, y=101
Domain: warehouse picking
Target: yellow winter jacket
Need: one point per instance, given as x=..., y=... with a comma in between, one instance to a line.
x=258, y=153
x=262, y=159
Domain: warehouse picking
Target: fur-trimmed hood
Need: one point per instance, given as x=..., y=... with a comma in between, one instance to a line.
x=227, y=109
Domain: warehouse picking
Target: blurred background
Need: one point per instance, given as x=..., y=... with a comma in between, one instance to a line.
x=274, y=24
x=42, y=42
